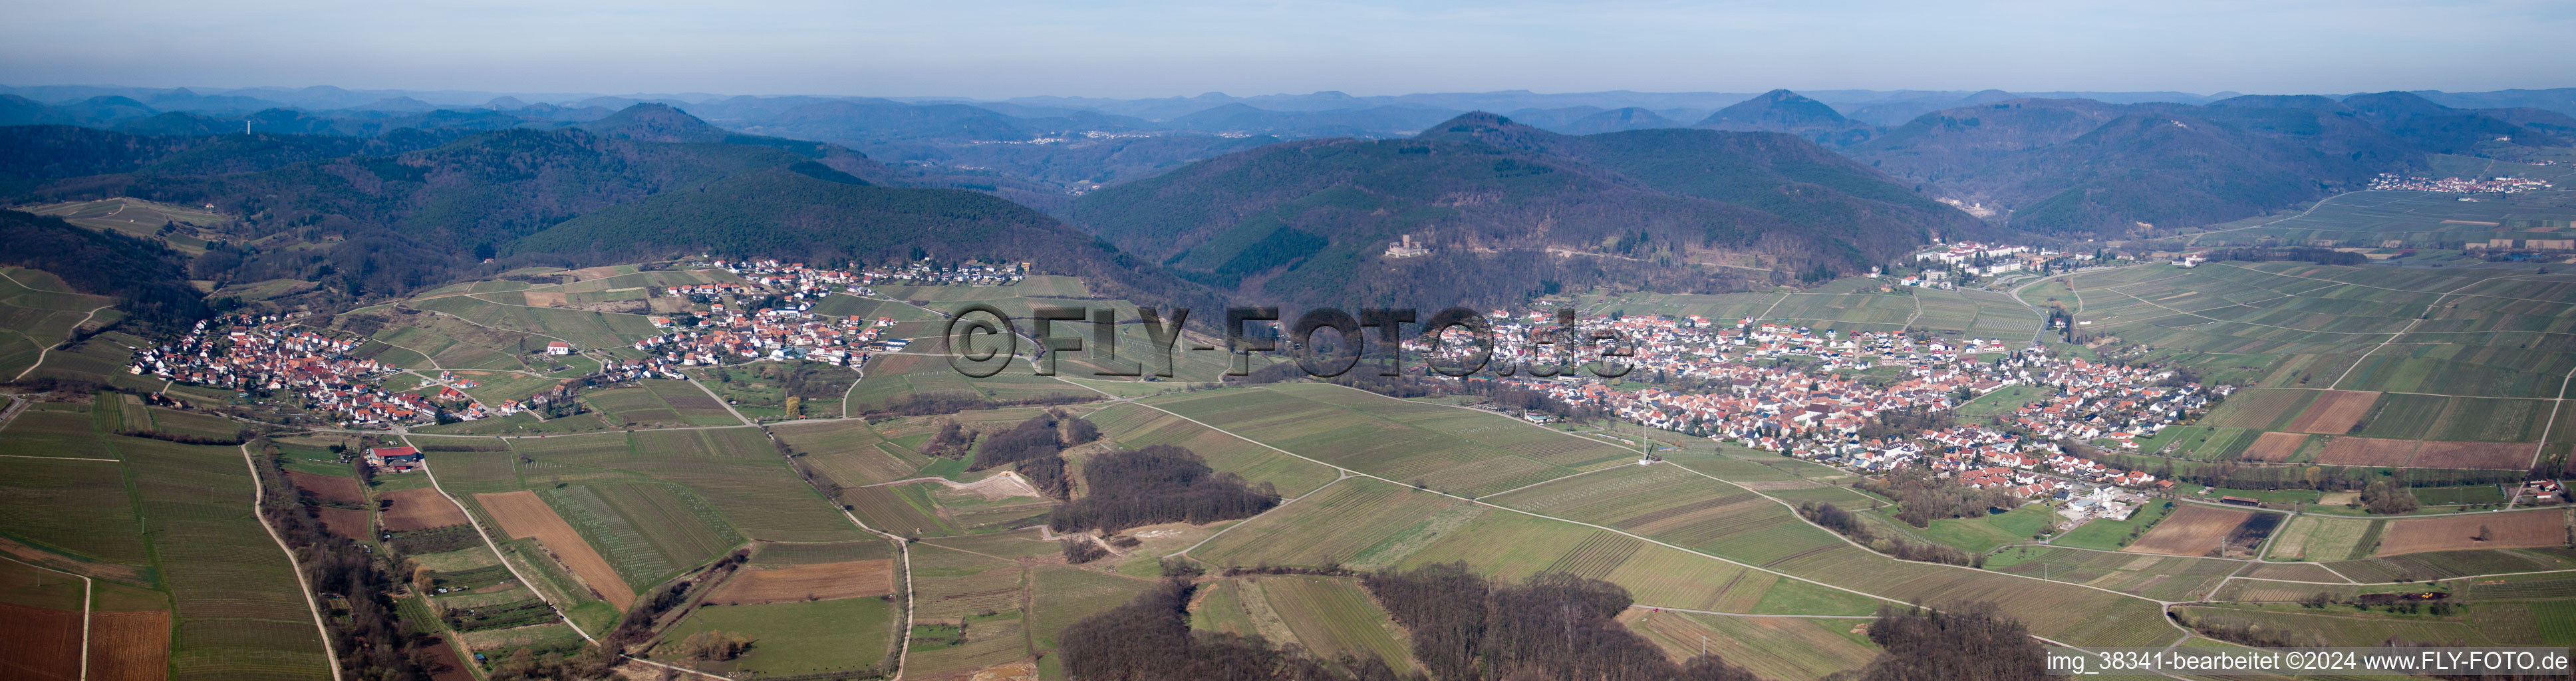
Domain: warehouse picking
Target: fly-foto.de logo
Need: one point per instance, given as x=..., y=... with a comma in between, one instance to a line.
x=981, y=341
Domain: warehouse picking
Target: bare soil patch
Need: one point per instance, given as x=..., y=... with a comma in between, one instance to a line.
x=819, y=582
x=444, y=665
x=29, y=554
x=545, y=299
x=2334, y=412
x=39, y=643
x=2452, y=533
x=129, y=646
x=2275, y=447
x=1000, y=486
x=2192, y=530
x=329, y=487
x=2367, y=451
x=2505, y=455
x=523, y=515
x=420, y=509
x=346, y=522
x=1016, y=671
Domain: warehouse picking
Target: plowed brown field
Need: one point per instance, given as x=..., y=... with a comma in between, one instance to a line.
x=523, y=515
x=2525, y=529
x=420, y=509
x=820, y=581
x=2192, y=530
x=2334, y=412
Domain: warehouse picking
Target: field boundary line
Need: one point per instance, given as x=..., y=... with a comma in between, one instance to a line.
x=2404, y=290
x=88, y=591
x=258, y=499
x=61, y=458
x=1549, y=480
x=1345, y=475
x=2410, y=326
x=1747, y=614
x=2392, y=335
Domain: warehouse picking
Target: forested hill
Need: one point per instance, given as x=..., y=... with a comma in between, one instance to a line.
x=811, y=213
x=1311, y=221
x=145, y=276
x=2075, y=166
x=393, y=214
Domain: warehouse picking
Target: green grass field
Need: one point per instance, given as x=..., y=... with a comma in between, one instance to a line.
x=816, y=637
x=1454, y=450
x=1979, y=535
x=2310, y=537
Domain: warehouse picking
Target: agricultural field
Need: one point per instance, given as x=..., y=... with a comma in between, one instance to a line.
x=850, y=452
x=2523, y=529
x=522, y=515
x=1336, y=524
x=649, y=531
x=2158, y=577
x=237, y=609
x=733, y=471
x=1979, y=535
x=1786, y=649
x=2492, y=625
x=2197, y=530
x=801, y=637
x=1137, y=427
x=191, y=227
x=38, y=311
x=1331, y=616
x=807, y=582
x=2319, y=538
x=1450, y=449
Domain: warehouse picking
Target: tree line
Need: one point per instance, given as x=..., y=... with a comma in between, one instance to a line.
x=1844, y=522
x=1158, y=484
x=1466, y=627
x=1921, y=498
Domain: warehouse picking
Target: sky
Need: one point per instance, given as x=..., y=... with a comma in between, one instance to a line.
x=1109, y=48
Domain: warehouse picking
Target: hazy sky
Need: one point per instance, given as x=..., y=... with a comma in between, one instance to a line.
x=1145, y=49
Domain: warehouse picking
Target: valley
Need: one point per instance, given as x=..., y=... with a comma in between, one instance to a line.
x=665, y=394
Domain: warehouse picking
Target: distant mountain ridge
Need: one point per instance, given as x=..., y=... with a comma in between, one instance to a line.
x=413, y=209
x=1308, y=221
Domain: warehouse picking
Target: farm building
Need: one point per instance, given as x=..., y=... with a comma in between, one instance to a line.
x=393, y=459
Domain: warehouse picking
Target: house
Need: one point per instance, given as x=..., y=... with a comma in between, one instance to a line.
x=558, y=348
